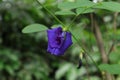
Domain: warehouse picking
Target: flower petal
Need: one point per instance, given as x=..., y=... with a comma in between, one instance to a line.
x=58, y=41
x=67, y=42
x=52, y=35
x=54, y=51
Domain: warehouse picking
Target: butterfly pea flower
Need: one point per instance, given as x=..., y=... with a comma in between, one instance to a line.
x=58, y=41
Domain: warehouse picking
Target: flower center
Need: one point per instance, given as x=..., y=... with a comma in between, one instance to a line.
x=58, y=40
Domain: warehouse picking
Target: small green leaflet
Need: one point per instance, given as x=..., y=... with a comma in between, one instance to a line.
x=79, y=4
x=34, y=28
x=112, y=6
x=113, y=68
x=73, y=5
x=84, y=10
x=64, y=12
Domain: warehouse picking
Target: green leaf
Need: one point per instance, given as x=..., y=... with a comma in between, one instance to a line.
x=62, y=71
x=73, y=5
x=85, y=4
x=114, y=56
x=93, y=78
x=113, y=68
x=66, y=5
x=84, y=10
x=9, y=69
x=65, y=13
x=82, y=0
x=1, y=65
x=72, y=74
x=34, y=28
x=112, y=6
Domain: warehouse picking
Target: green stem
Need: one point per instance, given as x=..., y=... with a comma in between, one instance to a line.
x=77, y=16
x=72, y=22
x=71, y=33
x=51, y=13
x=85, y=52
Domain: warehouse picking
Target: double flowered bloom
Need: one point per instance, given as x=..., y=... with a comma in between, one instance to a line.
x=58, y=41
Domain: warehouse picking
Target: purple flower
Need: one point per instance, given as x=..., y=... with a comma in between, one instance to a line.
x=58, y=41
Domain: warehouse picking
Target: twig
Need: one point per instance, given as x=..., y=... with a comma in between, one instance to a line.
x=50, y=13
x=114, y=22
x=111, y=48
x=99, y=40
x=114, y=28
x=85, y=52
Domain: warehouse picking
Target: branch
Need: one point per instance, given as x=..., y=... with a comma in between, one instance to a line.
x=98, y=36
x=100, y=44
x=114, y=21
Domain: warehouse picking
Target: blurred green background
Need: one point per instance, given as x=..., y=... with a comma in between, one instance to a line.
x=24, y=56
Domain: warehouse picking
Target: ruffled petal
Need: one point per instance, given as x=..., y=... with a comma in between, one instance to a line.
x=54, y=51
x=58, y=41
x=67, y=43
x=53, y=34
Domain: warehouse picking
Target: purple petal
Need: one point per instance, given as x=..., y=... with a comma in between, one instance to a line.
x=55, y=51
x=67, y=42
x=58, y=41
x=52, y=36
